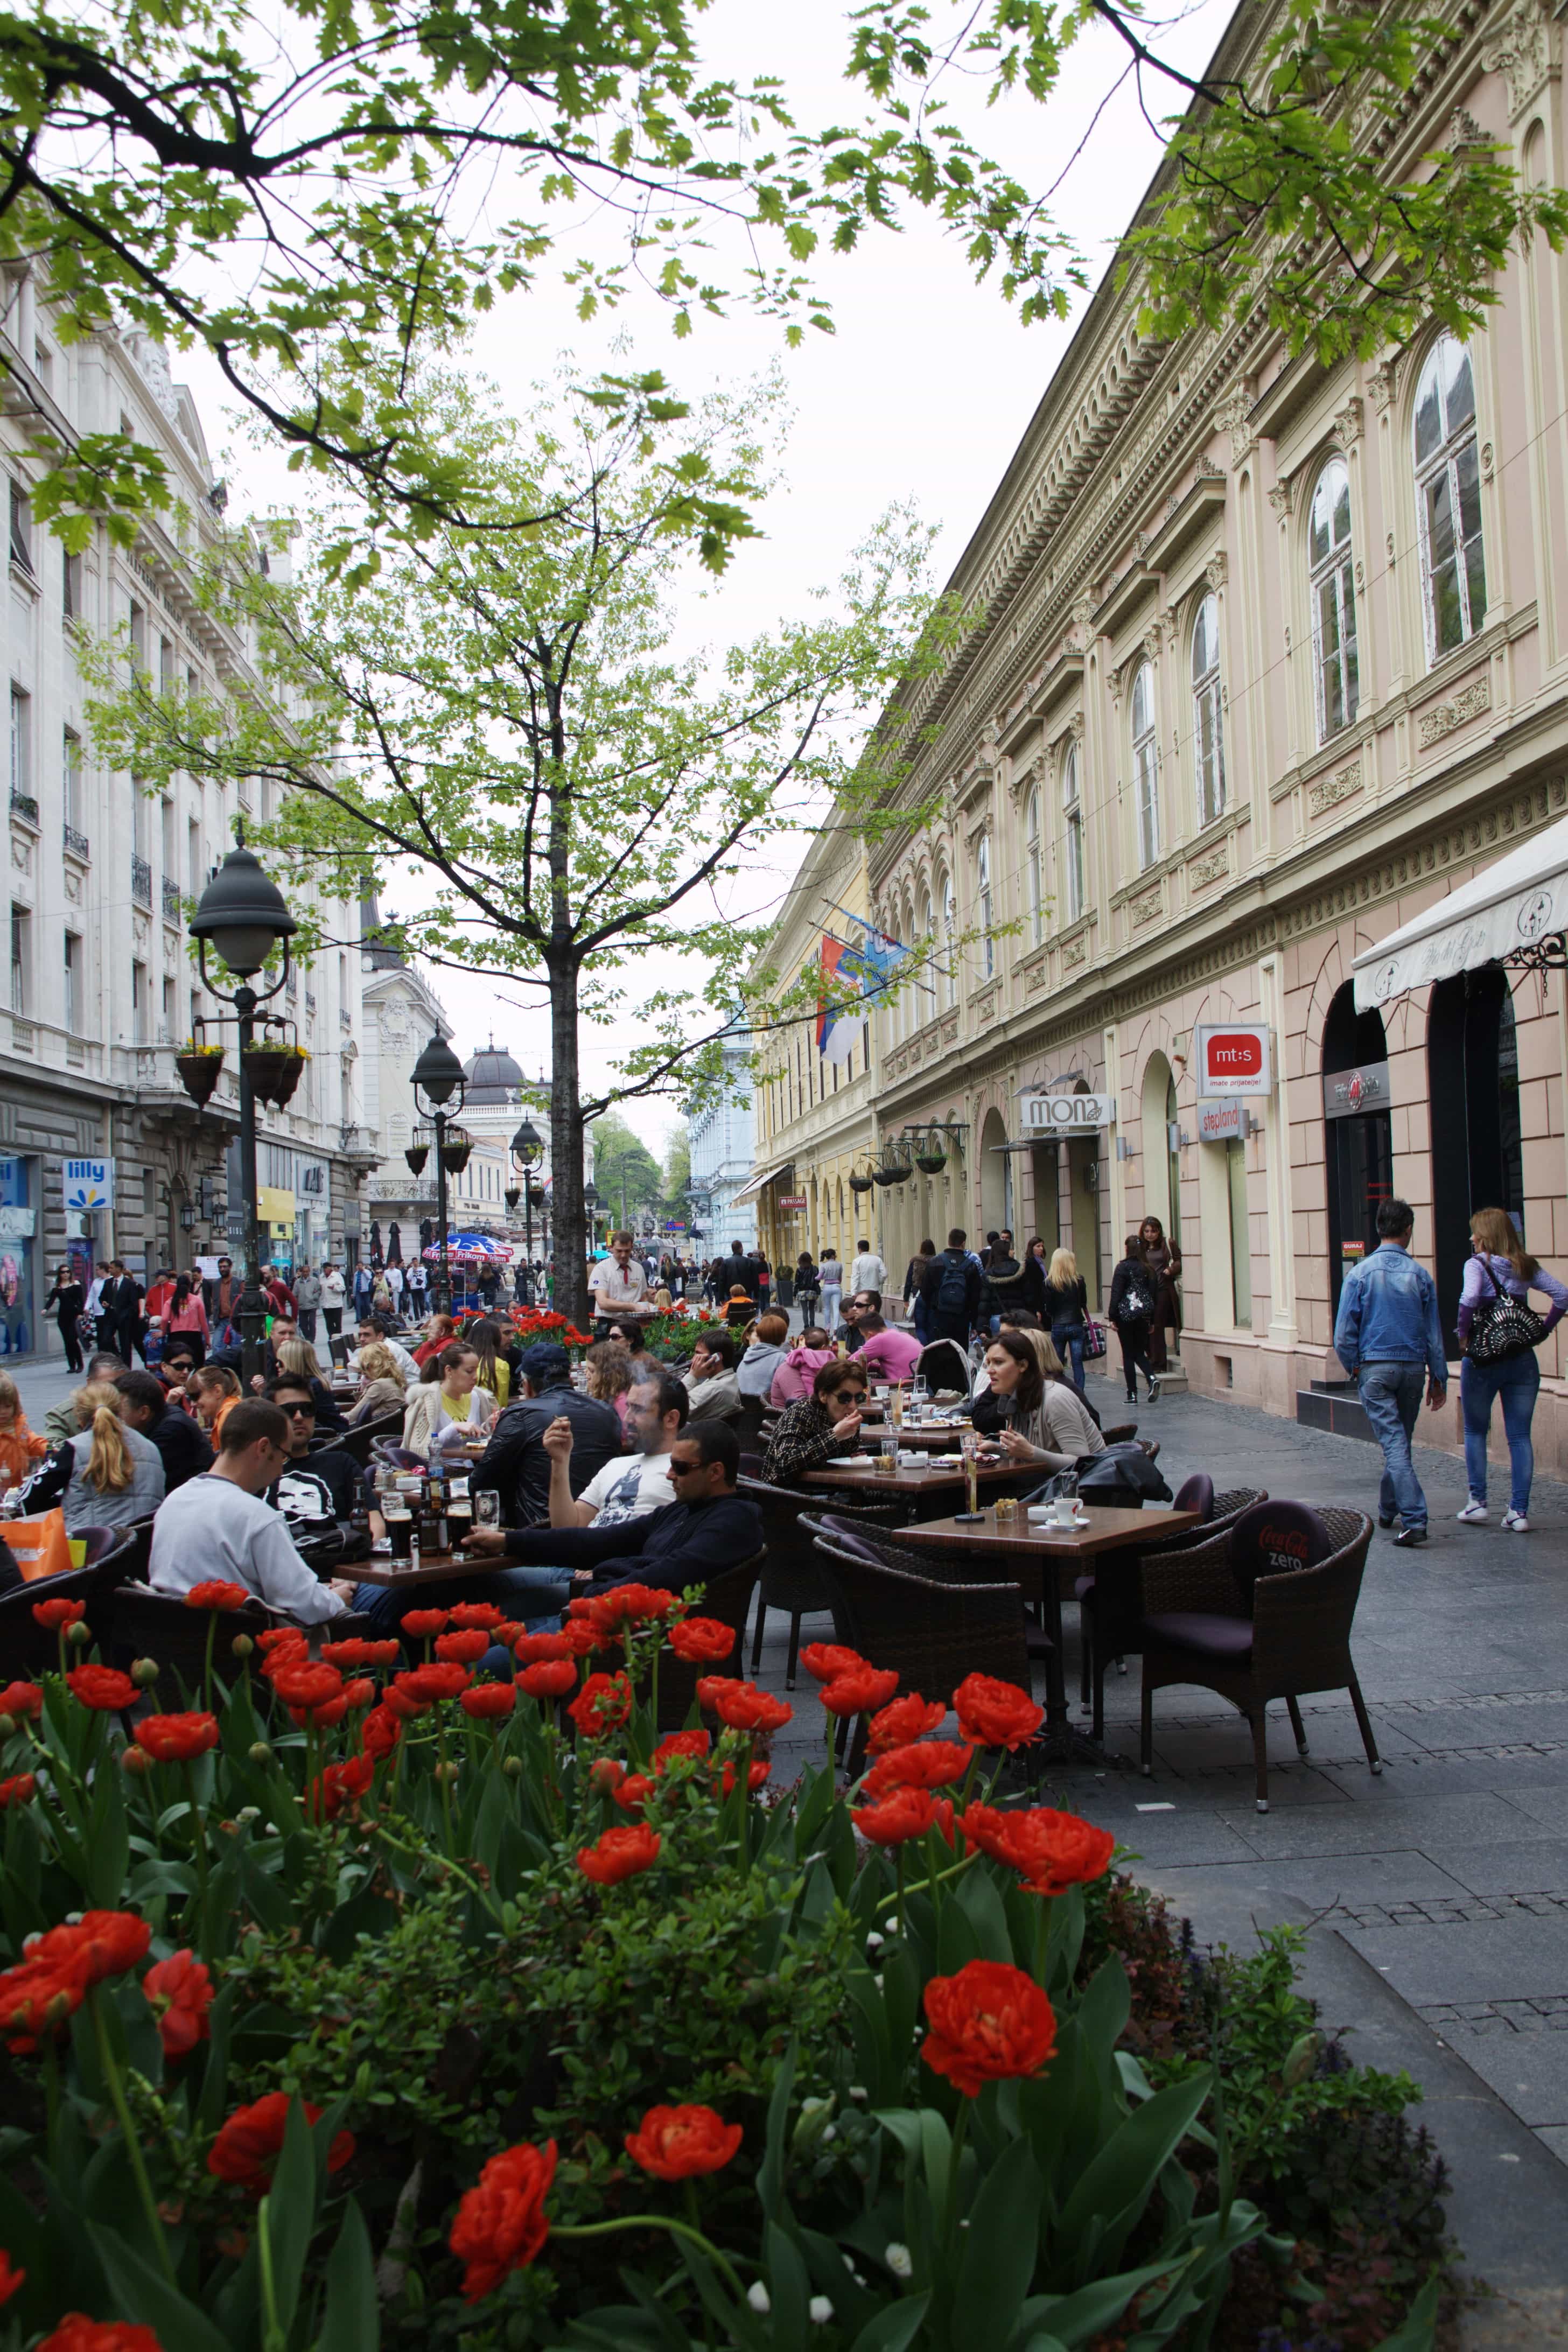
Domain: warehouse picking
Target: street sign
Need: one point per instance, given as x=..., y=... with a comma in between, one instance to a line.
x=792, y=1200
x=89, y=1184
x=1220, y=1122
x=1234, y=1060
x=1066, y=1114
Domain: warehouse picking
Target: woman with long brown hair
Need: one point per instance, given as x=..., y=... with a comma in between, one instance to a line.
x=1045, y=1418
x=1499, y=1268
x=1163, y=1260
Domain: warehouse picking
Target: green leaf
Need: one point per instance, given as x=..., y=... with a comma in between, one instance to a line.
x=1418, y=2330
x=288, y=2212
x=350, y=2321
x=108, y=1841
x=998, y=2258
x=789, y=2287
x=894, y=2329
x=1114, y=2189
x=770, y=2179
x=143, y=2295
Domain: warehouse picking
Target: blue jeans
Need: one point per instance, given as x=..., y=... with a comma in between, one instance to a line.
x=1068, y=1338
x=517, y=1593
x=1517, y=1381
x=1391, y=1393
x=831, y=1294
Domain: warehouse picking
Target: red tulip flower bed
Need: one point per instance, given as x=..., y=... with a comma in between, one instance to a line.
x=375, y=2002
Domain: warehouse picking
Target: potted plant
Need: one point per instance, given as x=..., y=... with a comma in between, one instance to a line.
x=456, y=1150
x=861, y=1183
x=416, y=1155
x=200, y=1068
x=274, y=1068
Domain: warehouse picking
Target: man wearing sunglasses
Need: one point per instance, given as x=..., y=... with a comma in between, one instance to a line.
x=314, y=1490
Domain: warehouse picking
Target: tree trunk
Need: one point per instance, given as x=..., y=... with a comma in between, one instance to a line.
x=568, y=1220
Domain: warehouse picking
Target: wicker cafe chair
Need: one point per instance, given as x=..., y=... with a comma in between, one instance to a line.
x=361, y=1439
x=160, y=1626
x=931, y=1634
x=728, y=1597
x=26, y=1649
x=1109, y=1610
x=1227, y=1615
x=791, y=1579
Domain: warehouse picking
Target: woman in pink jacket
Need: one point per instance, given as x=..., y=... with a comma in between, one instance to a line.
x=794, y=1375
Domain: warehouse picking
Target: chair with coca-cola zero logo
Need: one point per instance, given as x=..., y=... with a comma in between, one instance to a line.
x=1262, y=1610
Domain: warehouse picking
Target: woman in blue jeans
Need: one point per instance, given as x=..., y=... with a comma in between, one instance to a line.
x=1501, y=1267
x=1066, y=1307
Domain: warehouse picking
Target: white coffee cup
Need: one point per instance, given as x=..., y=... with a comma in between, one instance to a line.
x=1066, y=1511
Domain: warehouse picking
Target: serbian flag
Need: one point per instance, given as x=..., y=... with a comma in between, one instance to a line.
x=838, y=1018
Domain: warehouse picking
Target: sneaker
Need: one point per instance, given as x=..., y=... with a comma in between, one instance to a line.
x=1154, y=1390
x=1408, y=1536
x=1386, y=1522
x=1475, y=1512
x=1516, y=1523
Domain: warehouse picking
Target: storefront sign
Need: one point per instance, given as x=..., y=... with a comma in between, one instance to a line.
x=1066, y=1114
x=792, y=1200
x=90, y=1184
x=274, y=1206
x=1347, y=1094
x=1219, y=1122
x=1234, y=1060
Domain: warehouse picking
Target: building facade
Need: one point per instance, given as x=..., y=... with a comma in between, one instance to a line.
x=102, y=988
x=1273, y=657
x=721, y=1140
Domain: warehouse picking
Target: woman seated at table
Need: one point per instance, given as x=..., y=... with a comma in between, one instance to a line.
x=498, y=1361
x=819, y=1428
x=440, y=1333
x=386, y=1389
x=1045, y=1420
x=990, y=1414
x=444, y=1411
x=607, y=1375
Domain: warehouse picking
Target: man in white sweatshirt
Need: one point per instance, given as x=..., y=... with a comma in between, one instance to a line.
x=867, y=1273
x=219, y=1527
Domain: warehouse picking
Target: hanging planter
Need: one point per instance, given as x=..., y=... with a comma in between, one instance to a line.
x=416, y=1155
x=512, y=1196
x=456, y=1150
x=200, y=1068
x=274, y=1070
x=861, y=1183
x=930, y=1163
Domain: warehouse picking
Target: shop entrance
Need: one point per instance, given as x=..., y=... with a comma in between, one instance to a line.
x=1358, y=1132
x=1472, y=1085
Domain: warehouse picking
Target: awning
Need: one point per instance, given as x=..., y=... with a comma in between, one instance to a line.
x=754, y=1183
x=1516, y=912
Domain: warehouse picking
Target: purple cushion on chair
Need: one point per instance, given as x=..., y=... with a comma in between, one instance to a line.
x=1273, y=1539
x=1208, y=1637
x=1197, y=1494
x=848, y=1537
x=1082, y=1587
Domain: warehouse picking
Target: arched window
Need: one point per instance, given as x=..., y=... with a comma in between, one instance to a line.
x=985, y=906
x=1448, y=493
x=924, y=983
x=949, y=941
x=1032, y=867
x=1072, y=813
x=1145, y=766
x=1333, y=600
x=1208, y=737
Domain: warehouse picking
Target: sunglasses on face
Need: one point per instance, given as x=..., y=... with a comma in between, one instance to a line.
x=300, y=1411
x=848, y=1396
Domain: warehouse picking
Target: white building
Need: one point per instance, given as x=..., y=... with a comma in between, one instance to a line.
x=720, y=1142
x=102, y=989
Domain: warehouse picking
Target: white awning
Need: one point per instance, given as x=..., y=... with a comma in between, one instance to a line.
x=755, y=1183
x=1514, y=907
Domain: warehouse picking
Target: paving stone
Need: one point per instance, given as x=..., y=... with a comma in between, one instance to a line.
x=1528, y=2071
x=1369, y=1827
x=1475, y=1961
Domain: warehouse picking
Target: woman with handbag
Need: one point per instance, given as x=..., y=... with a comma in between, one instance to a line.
x=1498, y=1334
x=1132, y=1310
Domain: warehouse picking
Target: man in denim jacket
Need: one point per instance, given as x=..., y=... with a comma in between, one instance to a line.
x=1388, y=1338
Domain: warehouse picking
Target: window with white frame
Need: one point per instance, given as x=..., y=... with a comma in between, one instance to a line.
x=1072, y=847
x=950, y=941
x=1146, y=765
x=1209, y=726
x=21, y=529
x=21, y=745
x=985, y=906
x=1032, y=869
x=1448, y=496
x=73, y=985
x=1333, y=600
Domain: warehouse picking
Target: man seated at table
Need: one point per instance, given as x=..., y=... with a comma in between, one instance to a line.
x=315, y=1491
x=712, y=1389
x=887, y=1354
x=635, y=1483
x=145, y=1406
x=219, y=1526
x=706, y=1528
x=380, y=1328
x=515, y=1463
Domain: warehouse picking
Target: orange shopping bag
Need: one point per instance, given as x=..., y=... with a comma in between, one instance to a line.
x=38, y=1547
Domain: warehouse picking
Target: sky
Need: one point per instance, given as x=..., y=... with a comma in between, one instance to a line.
x=923, y=392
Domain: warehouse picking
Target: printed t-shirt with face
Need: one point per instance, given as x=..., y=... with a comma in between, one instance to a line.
x=321, y=1489
x=629, y=1489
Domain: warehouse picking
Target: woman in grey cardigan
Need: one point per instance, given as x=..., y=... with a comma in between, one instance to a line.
x=117, y=1475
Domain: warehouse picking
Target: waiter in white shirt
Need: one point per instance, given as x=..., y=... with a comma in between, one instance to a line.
x=618, y=1281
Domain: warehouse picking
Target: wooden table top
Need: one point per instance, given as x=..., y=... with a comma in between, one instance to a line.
x=1108, y=1530
x=861, y=1470
x=435, y=1568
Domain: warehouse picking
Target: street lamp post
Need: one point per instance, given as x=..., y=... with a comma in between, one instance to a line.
x=241, y=915
x=526, y=1154
x=438, y=1076
x=591, y=1202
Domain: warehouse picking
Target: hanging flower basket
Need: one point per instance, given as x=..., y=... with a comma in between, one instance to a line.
x=274, y=1070
x=200, y=1068
x=890, y=1175
x=861, y=1183
x=416, y=1155
x=930, y=1163
x=456, y=1150
x=512, y=1196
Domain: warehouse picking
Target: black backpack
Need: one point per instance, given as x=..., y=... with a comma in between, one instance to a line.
x=952, y=1289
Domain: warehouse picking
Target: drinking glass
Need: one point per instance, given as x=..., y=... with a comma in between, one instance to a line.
x=969, y=1447
x=487, y=1508
x=888, y=1456
x=400, y=1529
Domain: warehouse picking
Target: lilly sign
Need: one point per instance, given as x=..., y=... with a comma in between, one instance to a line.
x=90, y=1184
x=1234, y=1060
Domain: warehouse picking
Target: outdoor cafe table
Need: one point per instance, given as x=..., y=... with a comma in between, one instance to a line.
x=1005, y=1545
x=435, y=1568
x=911, y=1486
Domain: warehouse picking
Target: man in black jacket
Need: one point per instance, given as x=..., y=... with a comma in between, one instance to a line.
x=707, y=1528
x=182, y=1443
x=515, y=1463
x=950, y=1290
x=122, y=1324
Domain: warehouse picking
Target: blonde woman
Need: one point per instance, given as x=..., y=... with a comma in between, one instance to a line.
x=445, y=1411
x=1498, y=1267
x=1066, y=1309
x=386, y=1389
x=117, y=1475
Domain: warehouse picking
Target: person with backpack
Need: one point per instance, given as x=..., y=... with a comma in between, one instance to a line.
x=1499, y=1332
x=1132, y=1310
x=950, y=1287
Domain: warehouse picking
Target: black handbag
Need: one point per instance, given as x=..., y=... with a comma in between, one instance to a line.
x=1502, y=1326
